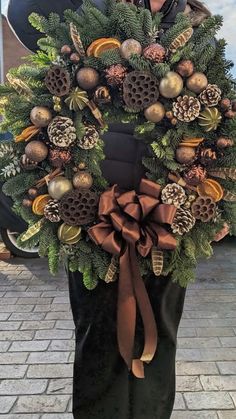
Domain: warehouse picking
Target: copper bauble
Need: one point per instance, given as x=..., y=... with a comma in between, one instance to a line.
x=155, y=113
x=75, y=58
x=66, y=49
x=59, y=186
x=230, y=114
x=33, y=192
x=225, y=104
x=171, y=85
x=185, y=68
x=82, y=180
x=36, y=151
x=59, y=157
x=223, y=142
x=233, y=104
x=27, y=203
x=87, y=78
x=185, y=155
x=129, y=47
x=40, y=116
x=197, y=82
x=69, y=234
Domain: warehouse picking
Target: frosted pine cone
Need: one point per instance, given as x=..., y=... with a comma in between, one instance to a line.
x=51, y=211
x=183, y=221
x=186, y=108
x=115, y=74
x=90, y=138
x=61, y=132
x=211, y=96
x=173, y=194
x=155, y=53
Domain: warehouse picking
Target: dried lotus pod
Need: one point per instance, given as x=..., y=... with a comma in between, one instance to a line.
x=58, y=81
x=204, y=208
x=78, y=207
x=140, y=90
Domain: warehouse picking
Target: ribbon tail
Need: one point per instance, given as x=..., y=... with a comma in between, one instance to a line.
x=126, y=312
x=146, y=311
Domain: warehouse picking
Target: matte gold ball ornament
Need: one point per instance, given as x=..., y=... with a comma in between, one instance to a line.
x=87, y=78
x=171, y=85
x=40, y=116
x=82, y=180
x=185, y=68
x=129, y=47
x=155, y=113
x=36, y=151
x=59, y=186
x=185, y=155
x=197, y=82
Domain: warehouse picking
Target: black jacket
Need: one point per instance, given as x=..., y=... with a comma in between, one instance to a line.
x=123, y=163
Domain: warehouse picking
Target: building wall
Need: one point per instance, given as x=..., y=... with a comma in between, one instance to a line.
x=13, y=50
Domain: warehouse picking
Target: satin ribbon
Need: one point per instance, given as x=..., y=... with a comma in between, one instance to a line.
x=131, y=224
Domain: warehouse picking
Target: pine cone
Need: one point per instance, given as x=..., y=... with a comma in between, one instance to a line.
x=61, y=132
x=155, y=53
x=173, y=194
x=90, y=138
x=59, y=158
x=183, y=221
x=186, y=108
x=115, y=74
x=195, y=175
x=51, y=211
x=207, y=156
x=211, y=96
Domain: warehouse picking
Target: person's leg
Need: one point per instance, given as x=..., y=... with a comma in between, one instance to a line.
x=153, y=397
x=100, y=383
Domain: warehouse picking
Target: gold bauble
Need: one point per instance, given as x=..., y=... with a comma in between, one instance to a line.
x=155, y=113
x=171, y=85
x=69, y=234
x=87, y=78
x=40, y=116
x=129, y=47
x=82, y=180
x=36, y=151
x=197, y=82
x=185, y=155
x=59, y=186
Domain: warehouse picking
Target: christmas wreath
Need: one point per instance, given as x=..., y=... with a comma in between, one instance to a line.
x=118, y=65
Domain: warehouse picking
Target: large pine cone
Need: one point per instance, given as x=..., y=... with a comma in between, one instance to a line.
x=183, y=221
x=61, y=132
x=173, y=194
x=51, y=211
x=90, y=138
x=186, y=108
x=155, y=53
x=211, y=96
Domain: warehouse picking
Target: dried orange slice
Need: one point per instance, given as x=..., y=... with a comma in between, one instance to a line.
x=93, y=45
x=109, y=43
x=186, y=144
x=211, y=188
x=39, y=204
x=27, y=134
x=191, y=142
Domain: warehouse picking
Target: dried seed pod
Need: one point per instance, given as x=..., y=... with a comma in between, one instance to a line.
x=140, y=90
x=58, y=81
x=157, y=261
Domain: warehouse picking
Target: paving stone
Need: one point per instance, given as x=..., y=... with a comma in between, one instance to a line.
x=61, y=307
x=53, y=334
x=188, y=383
x=189, y=314
x=208, y=400
x=233, y=395
x=215, y=331
x=4, y=345
x=40, y=404
x=228, y=342
x=42, y=308
x=16, y=335
x=228, y=414
x=50, y=371
x=194, y=415
x=218, y=383
x=13, y=358
x=61, y=300
x=59, y=315
x=8, y=301
x=60, y=386
x=199, y=343
x=30, y=346
x=179, y=402
x=54, y=293
x=24, y=416
x=186, y=332
x=72, y=357
x=9, y=325
x=27, y=316
x=61, y=416
x=12, y=371
x=16, y=309
x=196, y=368
x=15, y=387
x=65, y=324
x=48, y=357
x=4, y=316
x=62, y=345
x=22, y=294
x=6, y=403
x=31, y=300
x=35, y=325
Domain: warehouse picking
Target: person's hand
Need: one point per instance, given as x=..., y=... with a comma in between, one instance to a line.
x=156, y=5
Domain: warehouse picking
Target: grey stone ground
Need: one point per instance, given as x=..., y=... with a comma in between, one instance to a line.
x=37, y=342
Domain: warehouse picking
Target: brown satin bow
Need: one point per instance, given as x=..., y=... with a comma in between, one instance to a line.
x=130, y=224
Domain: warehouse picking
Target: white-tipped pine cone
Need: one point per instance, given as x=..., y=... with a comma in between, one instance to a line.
x=173, y=194
x=61, y=132
x=211, y=96
x=51, y=211
x=183, y=221
x=90, y=138
x=186, y=108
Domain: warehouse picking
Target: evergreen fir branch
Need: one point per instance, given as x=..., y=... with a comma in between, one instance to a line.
x=90, y=279
x=110, y=57
x=207, y=30
x=74, y=17
x=147, y=22
x=40, y=23
x=125, y=23
x=230, y=216
x=139, y=63
x=19, y=184
x=181, y=24
x=160, y=70
x=110, y=6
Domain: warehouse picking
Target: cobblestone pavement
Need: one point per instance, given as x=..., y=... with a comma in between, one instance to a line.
x=37, y=342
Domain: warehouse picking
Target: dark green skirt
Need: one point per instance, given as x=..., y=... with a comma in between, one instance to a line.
x=103, y=388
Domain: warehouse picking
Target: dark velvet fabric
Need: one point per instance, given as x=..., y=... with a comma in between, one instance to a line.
x=103, y=387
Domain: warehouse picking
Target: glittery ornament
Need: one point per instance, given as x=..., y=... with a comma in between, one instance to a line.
x=197, y=82
x=40, y=116
x=36, y=151
x=155, y=53
x=115, y=74
x=185, y=68
x=129, y=47
x=59, y=157
x=185, y=155
x=87, y=78
x=195, y=175
x=82, y=180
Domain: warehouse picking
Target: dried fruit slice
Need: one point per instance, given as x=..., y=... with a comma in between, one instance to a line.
x=93, y=45
x=211, y=188
x=110, y=43
x=27, y=134
x=39, y=204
